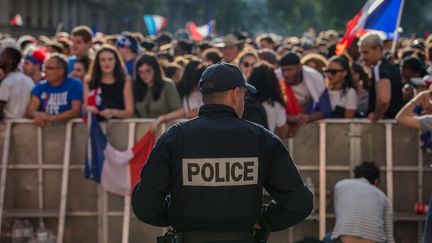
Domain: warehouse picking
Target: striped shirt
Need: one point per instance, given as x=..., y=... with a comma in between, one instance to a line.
x=362, y=210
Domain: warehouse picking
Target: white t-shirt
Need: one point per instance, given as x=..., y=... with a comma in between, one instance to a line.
x=193, y=101
x=276, y=116
x=15, y=90
x=348, y=101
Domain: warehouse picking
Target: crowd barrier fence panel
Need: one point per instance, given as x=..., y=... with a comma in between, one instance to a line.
x=42, y=177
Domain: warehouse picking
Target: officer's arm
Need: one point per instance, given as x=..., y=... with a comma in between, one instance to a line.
x=292, y=201
x=148, y=198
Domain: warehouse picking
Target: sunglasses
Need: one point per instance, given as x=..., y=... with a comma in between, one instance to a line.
x=332, y=71
x=247, y=64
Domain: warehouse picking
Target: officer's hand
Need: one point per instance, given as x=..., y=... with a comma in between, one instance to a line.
x=261, y=233
x=256, y=227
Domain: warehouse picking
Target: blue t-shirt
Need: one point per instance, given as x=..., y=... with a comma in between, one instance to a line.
x=130, y=67
x=71, y=62
x=56, y=100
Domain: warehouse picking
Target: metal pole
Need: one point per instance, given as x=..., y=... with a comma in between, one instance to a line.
x=40, y=169
x=104, y=200
x=395, y=33
x=355, y=146
x=291, y=147
x=65, y=180
x=5, y=158
x=389, y=162
x=127, y=199
x=420, y=184
x=322, y=179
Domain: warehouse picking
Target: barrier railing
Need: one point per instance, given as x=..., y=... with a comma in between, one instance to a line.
x=318, y=157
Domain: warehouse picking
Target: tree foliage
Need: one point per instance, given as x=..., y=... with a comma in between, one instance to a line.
x=284, y=17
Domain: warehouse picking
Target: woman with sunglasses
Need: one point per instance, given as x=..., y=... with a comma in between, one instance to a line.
x=156, y=96
x=246, y=62
x=341, y=86
x=107, y=88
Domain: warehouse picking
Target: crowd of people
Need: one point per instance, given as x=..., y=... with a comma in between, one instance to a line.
x=299, y=79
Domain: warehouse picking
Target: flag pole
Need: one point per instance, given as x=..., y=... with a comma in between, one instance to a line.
x=59, y=27
x=395, y=33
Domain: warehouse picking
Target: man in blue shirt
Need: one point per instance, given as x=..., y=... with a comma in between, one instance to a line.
x=57, y=98
x=81, y=37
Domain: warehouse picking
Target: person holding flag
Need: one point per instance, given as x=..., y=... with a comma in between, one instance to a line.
x=385, y=91
x=304, y=91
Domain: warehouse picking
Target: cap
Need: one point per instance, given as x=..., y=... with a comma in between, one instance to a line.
x=228, y=40
x=290, y=58
x=128, y=41
x=223, y=76
x=37, y=56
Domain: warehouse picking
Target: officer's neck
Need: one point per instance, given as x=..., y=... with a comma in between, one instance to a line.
x=237, y=111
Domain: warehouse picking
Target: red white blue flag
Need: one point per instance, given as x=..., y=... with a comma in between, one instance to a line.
x=199, y=33
x=380, y=15
x=117, y=171
x=17, y=20
x=154, y=23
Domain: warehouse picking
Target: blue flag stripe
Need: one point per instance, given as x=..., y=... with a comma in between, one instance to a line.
x=98, y=142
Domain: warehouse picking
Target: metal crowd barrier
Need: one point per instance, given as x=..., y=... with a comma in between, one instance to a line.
x=326, y=151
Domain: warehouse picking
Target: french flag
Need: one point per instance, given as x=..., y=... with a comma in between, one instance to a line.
x=117, y=171
x=17, y=20
x=199, y=33
x=154, y=23
x=380, y=15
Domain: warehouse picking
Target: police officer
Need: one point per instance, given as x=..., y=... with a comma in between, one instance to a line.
x=205, y=176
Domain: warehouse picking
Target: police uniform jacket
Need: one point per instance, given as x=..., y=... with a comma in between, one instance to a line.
x=208, y=174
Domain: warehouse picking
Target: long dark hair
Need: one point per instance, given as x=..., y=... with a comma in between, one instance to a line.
x=140, y=88
x=265, y=81
x=356, y=68
x=96, y=71
x=348, y=80
x=191, y=76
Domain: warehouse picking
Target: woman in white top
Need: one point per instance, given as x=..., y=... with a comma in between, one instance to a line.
x=188, y=87
x=341, y=86
x=269, y=94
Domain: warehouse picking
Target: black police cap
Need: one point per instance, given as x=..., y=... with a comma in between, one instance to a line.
x=223, y=76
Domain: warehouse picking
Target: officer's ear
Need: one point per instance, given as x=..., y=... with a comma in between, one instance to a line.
x=236, y=95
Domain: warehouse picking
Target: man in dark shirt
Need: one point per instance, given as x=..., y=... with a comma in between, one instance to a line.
x=385, y=91
x=205, y=176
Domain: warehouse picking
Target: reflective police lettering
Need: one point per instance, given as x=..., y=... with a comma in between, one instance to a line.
x=220, y=171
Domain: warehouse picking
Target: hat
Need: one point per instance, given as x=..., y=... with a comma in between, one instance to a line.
x=261, y=37
x=223, y=76
x=37, y=56
x=290, y=58
x=412, y=63
x=127, y=41
x=228, y=40
x=8, y=42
